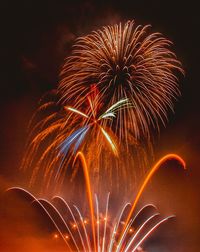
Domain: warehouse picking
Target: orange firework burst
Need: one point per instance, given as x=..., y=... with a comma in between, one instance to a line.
x=124, y=61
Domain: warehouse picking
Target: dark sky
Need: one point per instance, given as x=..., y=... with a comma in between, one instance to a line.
x=37, y=35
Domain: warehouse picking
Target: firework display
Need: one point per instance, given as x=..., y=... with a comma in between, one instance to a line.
x=116, y=87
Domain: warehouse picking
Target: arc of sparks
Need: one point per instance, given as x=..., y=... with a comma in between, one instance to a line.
x=131, y=243
x=89, y=192
x=74, y=219
x=131, y=222
x=139, y=230
x=151, y=230
x=34, y=199
x=149, y=176
x=49, y=206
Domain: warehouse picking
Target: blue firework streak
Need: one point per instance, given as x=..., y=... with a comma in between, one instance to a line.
x=75, y=138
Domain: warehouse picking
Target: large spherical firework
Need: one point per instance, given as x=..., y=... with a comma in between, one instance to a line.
x=124, y=61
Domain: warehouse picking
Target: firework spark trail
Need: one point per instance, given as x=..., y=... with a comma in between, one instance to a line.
x=97, y=221
x=67, y=207
x=105, y=224
x=117, y=225
x=121, y=240
x=151, y=230
x=84, y=228
x=89, y=193
x=149, y=176
x=53, y=211
x=34, y=199
x=107, y=244
x=113, y=146
x=124, y=61
x=138, y=231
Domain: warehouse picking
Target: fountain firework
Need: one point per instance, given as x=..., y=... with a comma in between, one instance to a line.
x=101, y=232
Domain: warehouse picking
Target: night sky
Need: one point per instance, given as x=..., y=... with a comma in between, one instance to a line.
x=36, y=36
